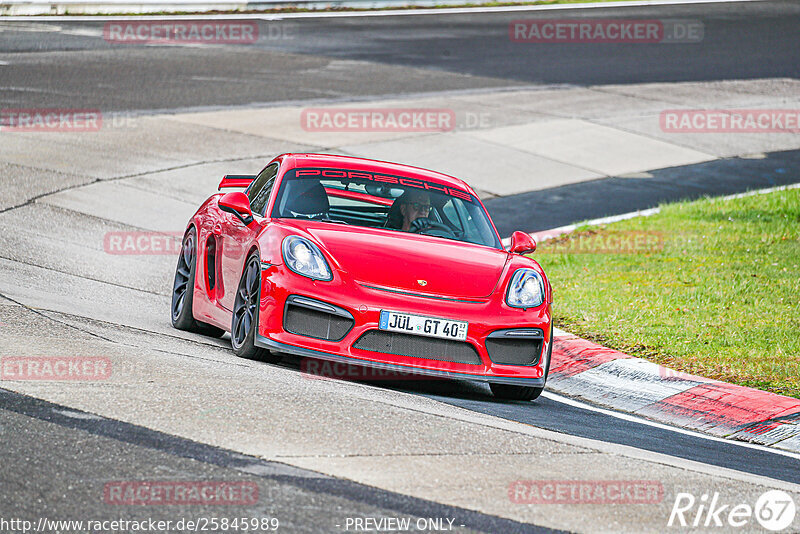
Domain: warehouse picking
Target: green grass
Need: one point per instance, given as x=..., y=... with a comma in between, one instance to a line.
x=718, y=298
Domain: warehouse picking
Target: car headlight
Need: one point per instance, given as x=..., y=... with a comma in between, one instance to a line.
x=304, y=258
x=526, y=289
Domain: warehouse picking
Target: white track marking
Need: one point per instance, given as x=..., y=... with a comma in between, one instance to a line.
x=634, y=419
x=344, y=14
x=759, y=192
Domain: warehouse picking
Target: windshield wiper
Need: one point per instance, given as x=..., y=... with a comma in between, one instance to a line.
x=329, y=220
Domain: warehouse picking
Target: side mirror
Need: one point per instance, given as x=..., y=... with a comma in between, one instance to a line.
x=238, y=204
x=522, y=243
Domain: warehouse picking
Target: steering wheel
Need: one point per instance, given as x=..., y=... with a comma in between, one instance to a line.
x=425, y=226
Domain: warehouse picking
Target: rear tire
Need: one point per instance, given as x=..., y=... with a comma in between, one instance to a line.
x=183, y=290
x=524, y=393
x=244, y=320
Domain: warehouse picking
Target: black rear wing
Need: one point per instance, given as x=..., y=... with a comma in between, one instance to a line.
x=236, y=180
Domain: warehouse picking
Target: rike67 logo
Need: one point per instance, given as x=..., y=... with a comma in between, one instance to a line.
x=774, y=510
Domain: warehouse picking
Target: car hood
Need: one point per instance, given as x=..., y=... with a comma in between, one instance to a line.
x=410, y=262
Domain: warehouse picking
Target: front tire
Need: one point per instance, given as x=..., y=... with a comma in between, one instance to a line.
x=183, y=290
x=244, y=321
x=524, y=393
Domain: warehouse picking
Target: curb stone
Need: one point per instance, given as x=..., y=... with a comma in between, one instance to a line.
x=603, y=376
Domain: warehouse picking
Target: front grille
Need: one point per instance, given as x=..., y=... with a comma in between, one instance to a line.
x=514, y=351
x=429, y=348
x=317, y=324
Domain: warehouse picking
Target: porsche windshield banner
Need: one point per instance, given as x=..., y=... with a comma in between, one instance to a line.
x=380, y=178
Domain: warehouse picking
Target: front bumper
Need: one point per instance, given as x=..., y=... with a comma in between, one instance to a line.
x=275, y=346
x=488, y=318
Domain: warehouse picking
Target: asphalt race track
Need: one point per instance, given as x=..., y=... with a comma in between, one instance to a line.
x=382, y=56
x=322, y=452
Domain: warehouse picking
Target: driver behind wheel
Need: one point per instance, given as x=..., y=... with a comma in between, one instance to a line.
x=414, y=205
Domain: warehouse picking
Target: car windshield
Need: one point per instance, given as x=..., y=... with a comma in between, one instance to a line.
x=378, y=200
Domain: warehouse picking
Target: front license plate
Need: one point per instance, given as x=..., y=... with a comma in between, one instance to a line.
x=423, y=325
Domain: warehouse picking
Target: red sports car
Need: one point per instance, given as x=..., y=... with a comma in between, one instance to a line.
x=366, y=263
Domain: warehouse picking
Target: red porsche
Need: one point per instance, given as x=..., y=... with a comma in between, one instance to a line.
x=368, y=263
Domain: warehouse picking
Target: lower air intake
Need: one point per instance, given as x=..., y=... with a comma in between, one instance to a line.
x=317, y=324
x=429, y=348
x=514, y=351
